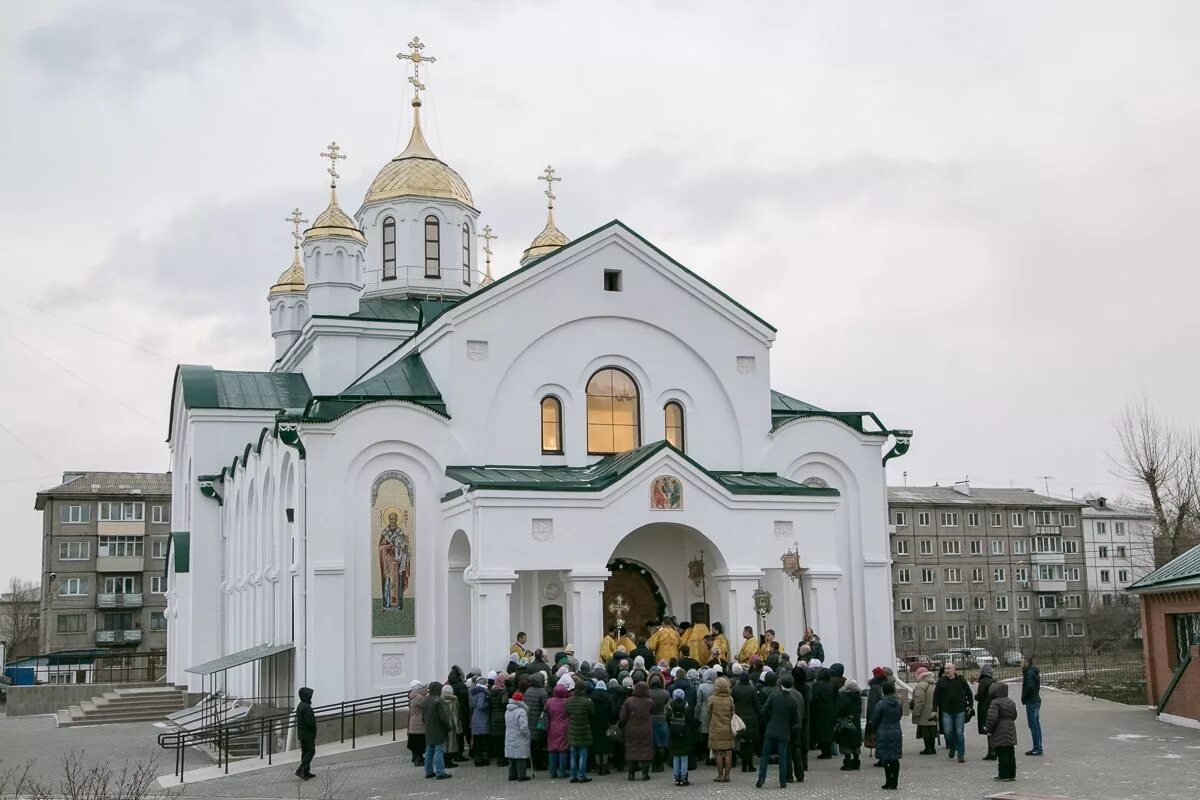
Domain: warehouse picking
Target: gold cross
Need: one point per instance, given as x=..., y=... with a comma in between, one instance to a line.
x=331, y=152
x=618, y=605
x=416, y=46
x=548, y=176
x=297, y=221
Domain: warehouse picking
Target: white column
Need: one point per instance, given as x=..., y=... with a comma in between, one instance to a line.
x=879, y=619
x=491, y=592
x=822, y=584
x=585, y=593
x=737, y=588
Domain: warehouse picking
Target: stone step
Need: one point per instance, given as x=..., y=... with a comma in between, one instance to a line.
x=156, y=702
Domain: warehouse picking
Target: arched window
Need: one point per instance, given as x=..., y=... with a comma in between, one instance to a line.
x=466, y=254
x=552, y=439
x=673, y=414
x=389, y=249
x=433, y=247
x=612, y=412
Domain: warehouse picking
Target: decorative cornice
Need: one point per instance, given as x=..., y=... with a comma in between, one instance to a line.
x=903, y=441
x=208, y=488
x=289, y=434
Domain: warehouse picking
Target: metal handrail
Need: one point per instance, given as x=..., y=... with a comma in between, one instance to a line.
x=266, y=728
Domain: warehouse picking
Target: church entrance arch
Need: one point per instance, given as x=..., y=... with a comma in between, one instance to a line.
x=632, y=597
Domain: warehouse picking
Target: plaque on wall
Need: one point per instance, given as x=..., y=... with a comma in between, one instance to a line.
x=552, y=626
x=699, y=613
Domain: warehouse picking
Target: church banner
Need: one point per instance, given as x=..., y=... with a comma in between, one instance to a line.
x=393, y=517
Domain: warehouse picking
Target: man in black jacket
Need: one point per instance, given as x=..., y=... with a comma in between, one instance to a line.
x=1031, y=698
x=953, y=699
x=780, y=716
x=306, y=732
x=437, y=730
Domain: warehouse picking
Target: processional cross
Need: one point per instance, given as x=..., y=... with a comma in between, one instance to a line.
x=331, y=152
x=549, y=177
x=618, y=606
x=416, y=46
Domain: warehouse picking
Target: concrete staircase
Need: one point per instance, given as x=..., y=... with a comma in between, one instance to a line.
x=125, y=705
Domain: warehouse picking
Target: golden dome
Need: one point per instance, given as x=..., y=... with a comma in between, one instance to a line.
x=292, y=278
x=546, y=242
x=417, y=172
x=334, y=222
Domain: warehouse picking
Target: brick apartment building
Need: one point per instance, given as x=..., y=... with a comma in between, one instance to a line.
x=1171, y=642
x=104, y=541
x=1002, y=569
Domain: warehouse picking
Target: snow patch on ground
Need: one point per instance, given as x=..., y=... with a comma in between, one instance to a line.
x=1124, y=737
x=1171, y=755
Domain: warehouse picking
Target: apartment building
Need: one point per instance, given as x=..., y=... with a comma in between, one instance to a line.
x=104, y=550
x=1118, y=545
x=996, y=568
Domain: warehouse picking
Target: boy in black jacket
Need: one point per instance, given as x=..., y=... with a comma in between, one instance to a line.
x=306, y=732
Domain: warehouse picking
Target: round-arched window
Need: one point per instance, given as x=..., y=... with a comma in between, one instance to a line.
x=612, y=412
x=552, y=440
x=673, y=418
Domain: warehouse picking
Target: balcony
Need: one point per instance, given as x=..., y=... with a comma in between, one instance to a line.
x=119, y=563
x=119, y=601
x=1047, y=558
x=119, y=637
x=1047, y=530
x=1049, y=613
x=1054, y=585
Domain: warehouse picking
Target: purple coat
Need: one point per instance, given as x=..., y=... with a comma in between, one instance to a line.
x=556, y=707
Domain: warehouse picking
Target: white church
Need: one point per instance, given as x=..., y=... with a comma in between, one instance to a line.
x=436, y=460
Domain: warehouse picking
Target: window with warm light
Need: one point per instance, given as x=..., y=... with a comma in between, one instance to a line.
x=673, y=412
x=612, y=412
x=552, y=439
x=433, y=247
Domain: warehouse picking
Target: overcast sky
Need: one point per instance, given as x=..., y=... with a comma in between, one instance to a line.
x=977, y=219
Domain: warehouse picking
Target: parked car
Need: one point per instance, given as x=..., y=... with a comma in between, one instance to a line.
x=981, y=657
x=911, y=663
x=1012, y=658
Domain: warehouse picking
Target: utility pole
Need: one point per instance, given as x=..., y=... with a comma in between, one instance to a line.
x=1046, y=480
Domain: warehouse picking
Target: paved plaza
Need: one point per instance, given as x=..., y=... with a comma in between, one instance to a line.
x=1096, y=750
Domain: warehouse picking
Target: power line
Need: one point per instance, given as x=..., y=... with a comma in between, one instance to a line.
x=26, y=445
x=90, y=329
x=76, y=375
x=30, y=478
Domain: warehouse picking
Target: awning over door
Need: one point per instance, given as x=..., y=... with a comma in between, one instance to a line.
x=256, y=653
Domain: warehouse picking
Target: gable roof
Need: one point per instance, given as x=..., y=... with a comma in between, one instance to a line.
x=205, y=387
x=408, y=379
x=784, y=409
x=97, y=484
x=416, y=310
x=1179, y=573
x=610, y=469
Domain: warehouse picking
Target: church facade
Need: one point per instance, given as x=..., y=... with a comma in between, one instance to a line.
x=437, y=460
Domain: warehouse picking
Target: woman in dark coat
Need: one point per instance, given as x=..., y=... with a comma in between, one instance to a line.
x=481, y=724
x=497, y=705
x=457, y=682
x=745, y=705
x=662, y=735
x=605, y=716
x=417, y=693
x=822, y=711
x=1001, y=727
x=848, y=724
x=556, y=740
x=635, y=721
x=535, y=702
x=889, y=739
x=982, y=699
x=580, y=712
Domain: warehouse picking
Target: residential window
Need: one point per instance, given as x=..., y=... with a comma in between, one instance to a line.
x=433, y=247
x=1043, y=517
x=466, y=242
x=1123, y=575
x=997, y=519
x=1021, y=574
x=1048, y=630
x=1047, y=602
x=906, y=605
x=1074, y=601
x=908, y=633
x=1102, y=551
x=158, y=584
x=120, y=546
x=1070, y=546
x=389, y=248
x=901, y=519
x=1108, y=599
x=929, y=604
x=949, y=519
x=158, y=548
x=931, y=633
x=612, y=412
x=979, y=603
x=951, y=547
x=117, y=621
x=120, y=584
x=998, y=575
x=1023, y=602
x=160, y=515
x=903, y=575
x=158, y=621
x=1119, y=528
x=1047, y=544
x=927, y=575
x=122, y=512
x=1069, y=520
x=1018, y=547
x=673, y=412
x=72, y=623
x=1002, y=603
x=1002, y=630
x=73, y=587
x=981, y=631
x=902, y=547
x=955, y=633
x=1101, y=528
x=997, y=547
x=1074, y=629
x=552, y=418
x=977, y=575
x=1120, y=551
x=923, y=519
x=1071, y=574
x=926, y=547
x=1018, y=519
x=976, y=547
x=1024, y=630
x=955, y=604
x=973, y=519
x=1050, y=572
x=953, y=575
x=74, y=551
x=74, y=515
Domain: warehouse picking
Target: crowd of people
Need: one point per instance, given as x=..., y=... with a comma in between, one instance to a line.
x=648, y=705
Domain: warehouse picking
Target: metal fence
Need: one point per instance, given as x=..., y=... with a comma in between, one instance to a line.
x=129, y=668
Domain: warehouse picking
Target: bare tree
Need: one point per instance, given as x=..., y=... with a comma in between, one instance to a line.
x=1163, y=461
x=19, y=615
x=1113, y=625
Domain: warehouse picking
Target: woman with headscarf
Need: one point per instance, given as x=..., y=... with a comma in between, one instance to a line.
x=458, y=683
x=635, y=721
x=557, y=743
x=889, y=739
x=535, y=702
x=718, y=716
x=604, y=717
x=417, y=692
x=703, y=693
x=454, y=729
x=745, y=705
x=659, y=696
x=823, y=710
x=847, y=726
x=481, y=723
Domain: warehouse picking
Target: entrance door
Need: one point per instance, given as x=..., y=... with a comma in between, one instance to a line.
x=636, y=594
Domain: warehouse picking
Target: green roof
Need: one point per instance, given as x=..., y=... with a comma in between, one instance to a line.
x=1179, y=573
x=610, y=469
x=205, y=387
x=407, y=380
x=417, y=310
x=784, y=409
